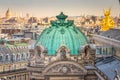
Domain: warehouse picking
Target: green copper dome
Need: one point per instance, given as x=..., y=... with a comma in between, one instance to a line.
x=62, y=31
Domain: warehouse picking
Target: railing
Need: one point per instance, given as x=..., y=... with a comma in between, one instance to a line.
x=16, y=70
x=12, y=61
x=102, y=74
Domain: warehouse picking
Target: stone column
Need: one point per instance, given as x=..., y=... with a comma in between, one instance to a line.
x=13, y=78
x=46, y=78
x=17, y=77
x=21, y=77
x=24, y=77
x=8, y=78
x=27, y=77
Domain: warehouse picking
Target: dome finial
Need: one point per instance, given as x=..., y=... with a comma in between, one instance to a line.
x=61, y=16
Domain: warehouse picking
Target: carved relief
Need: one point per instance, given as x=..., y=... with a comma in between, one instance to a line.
x=65, y=68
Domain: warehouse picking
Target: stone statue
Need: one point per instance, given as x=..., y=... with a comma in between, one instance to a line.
x=63, y=54
x=39, y=52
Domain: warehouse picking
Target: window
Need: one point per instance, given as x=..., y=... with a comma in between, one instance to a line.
x=27, y=54
x=13, y=57
x=0, y=58
x=7, y=58
x=22, y=56
x=18, y=57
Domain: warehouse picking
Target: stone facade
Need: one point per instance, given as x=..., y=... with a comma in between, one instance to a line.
x=62, y=52
x=13, y=62
x=63, y=66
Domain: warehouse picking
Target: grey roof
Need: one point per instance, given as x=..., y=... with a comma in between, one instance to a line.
x=108, y=66
x=10, y=50
x=112, y=33
x=90, y=67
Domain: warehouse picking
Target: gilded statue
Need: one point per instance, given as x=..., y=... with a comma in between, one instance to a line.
x=107, y=22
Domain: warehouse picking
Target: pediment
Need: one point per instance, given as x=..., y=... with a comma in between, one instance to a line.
x=65, y=68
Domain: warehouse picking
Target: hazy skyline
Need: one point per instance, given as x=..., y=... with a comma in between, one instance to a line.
x=43, y=8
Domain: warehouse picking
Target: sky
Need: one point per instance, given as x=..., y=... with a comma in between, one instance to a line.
x=48, y=8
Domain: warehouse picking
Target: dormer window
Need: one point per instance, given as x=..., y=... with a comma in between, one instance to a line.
x=7, y=57
x=13, y=57
x=0, y=58
x=22, y=56
x=26, y=54
x=18, y=57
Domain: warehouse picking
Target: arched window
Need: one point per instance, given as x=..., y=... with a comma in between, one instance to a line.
x=17, y=56
x=0, y=57
x=7, y=57
x=22, y=56
x=11, y=57
x=27, y=55
x=14, y=57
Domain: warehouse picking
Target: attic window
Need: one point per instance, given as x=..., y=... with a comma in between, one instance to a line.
x=0, y=58
x=6, y=57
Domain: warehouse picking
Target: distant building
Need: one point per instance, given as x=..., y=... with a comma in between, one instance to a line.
x=14, y=55
x=8, y=14
x=10, y=31
x=109, y=38
x=62, y=52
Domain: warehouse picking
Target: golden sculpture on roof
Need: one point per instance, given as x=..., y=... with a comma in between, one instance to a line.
x=107, y=22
